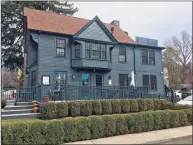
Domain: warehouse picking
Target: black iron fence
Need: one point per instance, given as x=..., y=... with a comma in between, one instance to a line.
x=69, y=93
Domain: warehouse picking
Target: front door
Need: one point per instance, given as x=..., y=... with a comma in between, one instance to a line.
x=99, y=80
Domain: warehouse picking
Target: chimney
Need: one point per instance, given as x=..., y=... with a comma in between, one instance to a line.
x=115, y=22
x=112, y=30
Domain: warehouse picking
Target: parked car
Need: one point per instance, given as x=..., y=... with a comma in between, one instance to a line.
x=186, y=101
x=178, y=93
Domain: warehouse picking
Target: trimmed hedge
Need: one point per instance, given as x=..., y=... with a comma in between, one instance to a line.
x=106, y=107
x=84, y=128
x=116, y=106
x=125, y=106
x=49, y=111
x=85, y=108
x=99, y=107
x=96, y=108
x=62, y=109
x=74, y=108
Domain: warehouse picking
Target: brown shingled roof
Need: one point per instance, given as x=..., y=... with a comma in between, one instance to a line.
x=58, y=23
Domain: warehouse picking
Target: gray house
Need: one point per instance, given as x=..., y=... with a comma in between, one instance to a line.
x=83, y=52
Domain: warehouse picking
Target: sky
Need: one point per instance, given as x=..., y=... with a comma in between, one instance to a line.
x=156, y=20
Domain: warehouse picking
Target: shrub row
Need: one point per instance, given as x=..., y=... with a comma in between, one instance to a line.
x=84, y=128
x=86, y=108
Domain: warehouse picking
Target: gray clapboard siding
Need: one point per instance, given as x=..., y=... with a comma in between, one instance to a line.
x=95, y=32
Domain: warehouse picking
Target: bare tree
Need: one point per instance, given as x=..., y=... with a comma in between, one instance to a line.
x=9, y=78
x=182, y=50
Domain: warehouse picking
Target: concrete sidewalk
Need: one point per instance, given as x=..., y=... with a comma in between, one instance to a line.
x=151, y=137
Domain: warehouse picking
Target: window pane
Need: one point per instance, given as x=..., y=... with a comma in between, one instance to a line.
x=122, y=50
x=152, y=60
x=60, y=51
x=122, y=58
x=144, y=60
x=60, y=77
x=99, y=80
x=77, y=50
x=151, y=53
x=144, y=53
x=153, y=82
x=60, y=43
x=146, y=80
x=85, y=79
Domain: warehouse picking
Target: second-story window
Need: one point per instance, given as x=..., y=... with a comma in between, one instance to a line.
x=148, y=57
x=95, y=51
x=103, y=52
x=151, y=57
x=122, y=54
x=77, y=50
x=144, y=56
x=87, y=50
x=60, y=47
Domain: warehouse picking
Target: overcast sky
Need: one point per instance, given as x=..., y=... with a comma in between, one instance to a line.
x=157, y=20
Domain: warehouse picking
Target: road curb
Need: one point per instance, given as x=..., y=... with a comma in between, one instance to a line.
x=167, y=140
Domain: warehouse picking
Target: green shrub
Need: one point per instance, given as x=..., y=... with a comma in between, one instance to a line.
x=62, y=109
x=19, y=130
x=82, y=128
x=110, y=125
x=174, y=119
x=69, y=129
x=49, y=111
x=74, y=108
x=125, y=106
x=139, y=123
x=116, y=106
x=121, y=125
x=157, y=104
x=165, y=119
x=183, y=118
x=54, y=132
x=37, y=132
x=96, y=108
x=133, y=105
x=6, y=136
x=157, y=120
x=85, y=108
x=106, y=107
x=142, y=105
x=150, y=104
x=189, y=115
x=148, y=121
x=96, y=127
x=166, y=104
x=130, y=122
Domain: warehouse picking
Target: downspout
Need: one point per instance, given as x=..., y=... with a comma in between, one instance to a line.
x=134, y=64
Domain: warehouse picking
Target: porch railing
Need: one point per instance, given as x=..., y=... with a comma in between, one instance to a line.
x=69, y=93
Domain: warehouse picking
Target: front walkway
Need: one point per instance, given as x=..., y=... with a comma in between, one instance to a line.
x=143, y=138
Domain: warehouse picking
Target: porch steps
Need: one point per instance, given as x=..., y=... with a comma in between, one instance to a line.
x=18, y=107
x=18, y=110
x=18, y=116
x=7, y=112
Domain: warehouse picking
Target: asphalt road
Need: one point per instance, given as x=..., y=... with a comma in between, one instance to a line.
x=184, y=140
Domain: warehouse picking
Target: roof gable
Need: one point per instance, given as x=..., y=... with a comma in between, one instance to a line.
x=61, y=24
x=96, y=30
